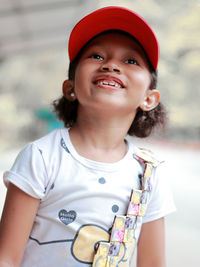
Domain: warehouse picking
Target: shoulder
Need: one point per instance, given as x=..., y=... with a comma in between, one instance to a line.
x=51, y=142
x=46, y=147
x=49, y=138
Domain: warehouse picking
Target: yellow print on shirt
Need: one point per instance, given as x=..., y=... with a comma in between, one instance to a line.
x=87, y=240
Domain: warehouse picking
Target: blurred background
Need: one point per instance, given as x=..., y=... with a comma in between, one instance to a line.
x=33, y=65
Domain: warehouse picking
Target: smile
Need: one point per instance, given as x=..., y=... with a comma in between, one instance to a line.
x=110, y=83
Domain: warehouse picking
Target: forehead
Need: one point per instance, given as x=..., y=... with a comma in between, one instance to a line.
x=116, y=38
x=112, y=36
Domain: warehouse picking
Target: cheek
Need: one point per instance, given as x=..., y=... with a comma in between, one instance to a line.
x=79, y=77
x=81, y=72
x=143, y=80
x=140, y=85
x=82, y=81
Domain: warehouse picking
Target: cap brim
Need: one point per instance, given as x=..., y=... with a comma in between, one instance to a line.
x=114, y=18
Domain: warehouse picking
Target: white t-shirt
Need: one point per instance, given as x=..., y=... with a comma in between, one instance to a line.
x=79, y=199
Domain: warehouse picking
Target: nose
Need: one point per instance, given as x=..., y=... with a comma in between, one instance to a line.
x=110, y=66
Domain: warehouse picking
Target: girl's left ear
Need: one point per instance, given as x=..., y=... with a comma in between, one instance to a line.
x=68, y=90
x=151, y=100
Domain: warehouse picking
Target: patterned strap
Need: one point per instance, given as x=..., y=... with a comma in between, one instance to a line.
x=122, y=239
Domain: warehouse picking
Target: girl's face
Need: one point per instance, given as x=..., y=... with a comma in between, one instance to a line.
x=112, y=75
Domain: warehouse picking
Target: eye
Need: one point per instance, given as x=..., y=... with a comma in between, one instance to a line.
x=96, y=56
x=132, y=61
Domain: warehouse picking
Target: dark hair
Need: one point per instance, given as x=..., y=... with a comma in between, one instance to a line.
x=144, y=122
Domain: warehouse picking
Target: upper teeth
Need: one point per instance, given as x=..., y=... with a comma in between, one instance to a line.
x=112, y=83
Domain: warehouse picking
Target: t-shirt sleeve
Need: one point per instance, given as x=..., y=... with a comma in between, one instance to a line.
x=161, y=200
x=28, y=172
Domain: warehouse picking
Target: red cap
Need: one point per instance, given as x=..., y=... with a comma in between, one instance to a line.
x=114, y=18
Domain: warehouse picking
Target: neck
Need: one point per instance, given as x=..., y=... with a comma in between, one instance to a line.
x=100, y=138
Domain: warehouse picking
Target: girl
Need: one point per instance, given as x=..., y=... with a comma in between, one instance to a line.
x=66, y=189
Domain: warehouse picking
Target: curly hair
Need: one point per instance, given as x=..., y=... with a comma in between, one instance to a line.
x=144, y=121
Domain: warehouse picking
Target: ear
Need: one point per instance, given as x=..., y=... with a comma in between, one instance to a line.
x=68, y=90
x=151, y=100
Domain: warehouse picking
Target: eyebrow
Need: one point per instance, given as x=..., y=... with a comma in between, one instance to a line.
x=132, y=48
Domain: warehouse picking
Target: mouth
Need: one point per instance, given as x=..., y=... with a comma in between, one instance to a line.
x=109, y=82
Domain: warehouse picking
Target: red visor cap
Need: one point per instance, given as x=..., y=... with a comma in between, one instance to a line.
x=114, y=18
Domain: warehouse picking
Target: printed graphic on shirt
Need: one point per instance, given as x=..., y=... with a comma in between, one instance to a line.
x=62, y=142
x=67, y=217
x=86, y=240
x=102, y=180
x=52, y=186
x=115, y=208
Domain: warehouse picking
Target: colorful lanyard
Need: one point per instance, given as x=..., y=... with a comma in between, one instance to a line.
x=119, y=250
